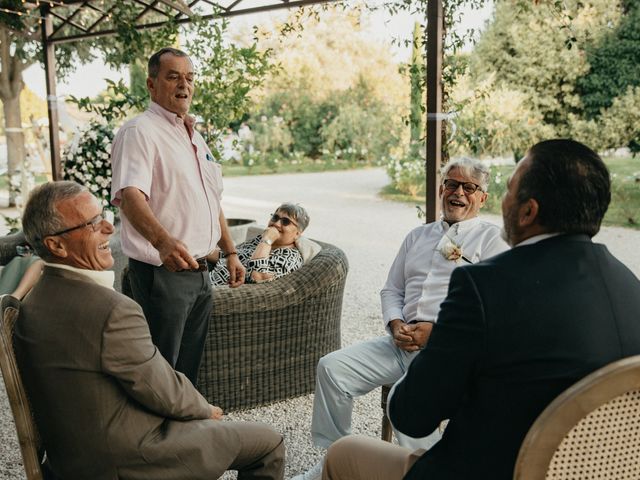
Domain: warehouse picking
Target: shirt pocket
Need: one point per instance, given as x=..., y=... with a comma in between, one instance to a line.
x=212, y=171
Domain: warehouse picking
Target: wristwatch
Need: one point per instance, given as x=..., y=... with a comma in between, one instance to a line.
x=267, y=241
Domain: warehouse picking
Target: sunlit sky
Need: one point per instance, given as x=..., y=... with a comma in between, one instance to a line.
x=88, y=80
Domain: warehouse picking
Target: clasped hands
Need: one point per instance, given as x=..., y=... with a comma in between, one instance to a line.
x=410, y=337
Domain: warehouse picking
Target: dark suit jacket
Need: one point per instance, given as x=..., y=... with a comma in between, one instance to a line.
x=513, y=333
x=107, y=404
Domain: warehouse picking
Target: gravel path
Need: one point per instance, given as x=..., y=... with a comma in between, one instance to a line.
x=346, y=211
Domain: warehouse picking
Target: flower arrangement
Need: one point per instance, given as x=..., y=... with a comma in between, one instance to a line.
x=87, y=160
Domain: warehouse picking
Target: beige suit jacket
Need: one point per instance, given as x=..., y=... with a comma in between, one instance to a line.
x=106, y=402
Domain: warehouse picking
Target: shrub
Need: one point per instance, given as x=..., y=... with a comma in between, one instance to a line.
x=408, y=174
x=87, y=160
x=615, y=127
x=496, y=121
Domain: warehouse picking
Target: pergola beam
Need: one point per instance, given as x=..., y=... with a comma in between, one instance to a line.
x=435, y=29
x=221, y=14
x=52, y=97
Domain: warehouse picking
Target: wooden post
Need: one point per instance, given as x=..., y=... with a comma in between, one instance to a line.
x=435, y=29
x=52, y=99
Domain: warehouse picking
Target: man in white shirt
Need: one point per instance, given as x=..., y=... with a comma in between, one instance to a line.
x=416, y=285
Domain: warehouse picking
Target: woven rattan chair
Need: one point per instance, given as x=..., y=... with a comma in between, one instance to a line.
x=591, y=431
x=25, y=426
x=8, y=244
x=265, y=339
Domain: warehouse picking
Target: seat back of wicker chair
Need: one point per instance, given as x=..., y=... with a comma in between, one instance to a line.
x=8, y=244
x=265, y=339
x=591, y=430
x=28, y=437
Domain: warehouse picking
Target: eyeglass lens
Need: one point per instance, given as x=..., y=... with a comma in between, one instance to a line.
x=284, y=220
x=467, y=187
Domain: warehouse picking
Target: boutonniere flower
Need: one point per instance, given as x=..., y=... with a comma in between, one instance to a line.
x=452, y=251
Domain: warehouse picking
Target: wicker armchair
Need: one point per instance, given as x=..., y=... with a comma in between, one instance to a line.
x=592, y=430
x=8, y=244
x=265, y=339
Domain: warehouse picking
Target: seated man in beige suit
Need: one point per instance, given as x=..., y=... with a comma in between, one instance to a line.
x=107, y=404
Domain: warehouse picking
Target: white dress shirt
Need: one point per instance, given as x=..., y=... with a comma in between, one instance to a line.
x=420, y=270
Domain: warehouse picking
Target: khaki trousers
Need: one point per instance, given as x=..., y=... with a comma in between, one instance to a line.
x=357, y=457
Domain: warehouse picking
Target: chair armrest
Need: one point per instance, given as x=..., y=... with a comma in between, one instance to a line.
x=326, y=269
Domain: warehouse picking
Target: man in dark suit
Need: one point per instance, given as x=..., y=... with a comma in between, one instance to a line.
x=514, y=332
x=107, y=404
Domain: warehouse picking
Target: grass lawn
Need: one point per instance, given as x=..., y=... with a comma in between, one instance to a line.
x=624, y=209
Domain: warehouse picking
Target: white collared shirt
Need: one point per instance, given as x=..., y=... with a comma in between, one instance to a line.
x=420, y=270
x=476, y=240
x=536, y=239
x=104, y=278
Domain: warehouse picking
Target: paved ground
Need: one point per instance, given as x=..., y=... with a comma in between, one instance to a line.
x=346, y=211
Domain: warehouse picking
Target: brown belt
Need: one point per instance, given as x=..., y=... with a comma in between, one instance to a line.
x=202, y=265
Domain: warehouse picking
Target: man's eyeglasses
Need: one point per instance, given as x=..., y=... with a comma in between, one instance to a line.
x=467, y=187
x=95, y=223
x=286, y=221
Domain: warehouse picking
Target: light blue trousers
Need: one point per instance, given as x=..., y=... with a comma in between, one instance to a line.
x=352, y=372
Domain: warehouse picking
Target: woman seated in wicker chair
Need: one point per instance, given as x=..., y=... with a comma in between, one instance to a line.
x=271, y=254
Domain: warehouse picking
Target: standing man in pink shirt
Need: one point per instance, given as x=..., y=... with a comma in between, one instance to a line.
x=168, y=189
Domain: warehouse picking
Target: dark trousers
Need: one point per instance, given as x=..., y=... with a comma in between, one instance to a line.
x=177, y=306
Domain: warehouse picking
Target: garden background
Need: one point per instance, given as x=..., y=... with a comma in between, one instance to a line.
x=312, y=90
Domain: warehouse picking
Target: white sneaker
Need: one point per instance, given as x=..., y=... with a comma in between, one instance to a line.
x=314, y=473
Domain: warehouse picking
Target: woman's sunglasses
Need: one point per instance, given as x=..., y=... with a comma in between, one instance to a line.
x=285, y=221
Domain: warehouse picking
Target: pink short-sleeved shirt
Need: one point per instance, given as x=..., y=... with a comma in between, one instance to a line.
x=155, y=153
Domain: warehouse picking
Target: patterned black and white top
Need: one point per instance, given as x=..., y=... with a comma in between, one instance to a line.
x=280, y=262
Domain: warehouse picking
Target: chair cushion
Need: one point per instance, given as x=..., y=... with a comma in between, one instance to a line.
x=308, y=248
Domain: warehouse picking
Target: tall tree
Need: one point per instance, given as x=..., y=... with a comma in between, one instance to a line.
x=17, y=40
x=20, y=47
x=614, y=62
x=537, y=49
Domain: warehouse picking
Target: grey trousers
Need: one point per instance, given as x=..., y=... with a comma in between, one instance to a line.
x=352, y=372
x=177, y=306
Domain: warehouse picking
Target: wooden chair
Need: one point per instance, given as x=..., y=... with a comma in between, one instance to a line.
x=590, y=431
x=25, y=425
x=387, y=431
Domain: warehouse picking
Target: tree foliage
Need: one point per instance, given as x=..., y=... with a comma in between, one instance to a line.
x=614, y=62
x=344, y=94
x=538, y=51
x=616, y=125
x=20, y=47
x=496, y=120
x=417, y=74
x=226, y=74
